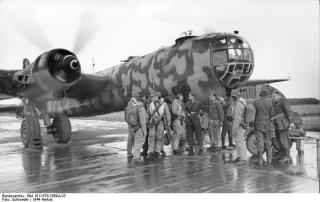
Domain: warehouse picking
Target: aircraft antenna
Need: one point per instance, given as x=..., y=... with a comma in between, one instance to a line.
x=93, y=64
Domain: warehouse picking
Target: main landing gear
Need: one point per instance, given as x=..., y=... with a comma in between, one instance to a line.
x=59, y=128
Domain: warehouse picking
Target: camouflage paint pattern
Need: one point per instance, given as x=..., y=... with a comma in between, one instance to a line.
x=186, y=66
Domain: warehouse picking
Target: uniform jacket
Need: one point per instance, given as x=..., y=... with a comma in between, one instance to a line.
x=142, y=118
x=215, y=111
x=263, y=107
x=195, y=106
x=177, y=109
x=228, y=107
x=239, y=107
x=282, y=114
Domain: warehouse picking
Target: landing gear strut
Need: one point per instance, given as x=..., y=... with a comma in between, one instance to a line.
x=60, y=127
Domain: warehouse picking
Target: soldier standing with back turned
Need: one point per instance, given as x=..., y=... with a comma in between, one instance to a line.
x=135, y=115
x=262, y=125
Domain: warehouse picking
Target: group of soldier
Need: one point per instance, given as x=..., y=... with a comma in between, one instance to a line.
x=153, y=121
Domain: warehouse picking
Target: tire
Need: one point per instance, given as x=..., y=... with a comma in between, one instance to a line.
x=62, y=126
x=251, y=143
x=30, y=132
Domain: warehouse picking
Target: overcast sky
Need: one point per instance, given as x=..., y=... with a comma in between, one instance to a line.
x=284, y=34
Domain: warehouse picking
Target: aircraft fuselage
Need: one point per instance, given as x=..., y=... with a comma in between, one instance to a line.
x=205, y=64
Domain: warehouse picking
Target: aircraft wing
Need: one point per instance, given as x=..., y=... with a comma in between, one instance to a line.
x=261, y=81
x=7, y=85
x=87, y=85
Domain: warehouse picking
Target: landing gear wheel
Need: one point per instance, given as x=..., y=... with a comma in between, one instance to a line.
x=251, y=143
x=30, y=132
x=62, y=129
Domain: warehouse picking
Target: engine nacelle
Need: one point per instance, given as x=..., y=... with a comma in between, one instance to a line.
x=52, y=71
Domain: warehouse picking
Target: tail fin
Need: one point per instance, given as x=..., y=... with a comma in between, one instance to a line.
x=26, y=63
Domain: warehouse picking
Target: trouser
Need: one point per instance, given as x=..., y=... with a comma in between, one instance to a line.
x=155, y=140
x=183, y=137
x=139, y=138
x=193, y=129
x=263, y=142
x=239, y=138
x=177, y=129
x=214, y=132
x=226, y=128
x=145, y=144
x=282, y=138
x=130, y=140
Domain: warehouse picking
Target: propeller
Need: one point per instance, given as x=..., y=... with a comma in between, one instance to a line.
x=88, y=27
x=32, y=31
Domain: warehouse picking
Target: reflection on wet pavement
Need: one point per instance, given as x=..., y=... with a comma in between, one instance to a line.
x=97, y=162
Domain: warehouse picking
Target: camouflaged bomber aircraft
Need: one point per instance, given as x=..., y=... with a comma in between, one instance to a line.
x=52, y=88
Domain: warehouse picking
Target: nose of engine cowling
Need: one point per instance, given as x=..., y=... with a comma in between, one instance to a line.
x=64, y=65
x=232, y=59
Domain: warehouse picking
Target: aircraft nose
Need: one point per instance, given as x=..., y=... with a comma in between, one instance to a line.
x=232, y=60
x=232, y=73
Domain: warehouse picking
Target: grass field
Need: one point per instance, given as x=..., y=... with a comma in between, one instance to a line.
x=310, y=116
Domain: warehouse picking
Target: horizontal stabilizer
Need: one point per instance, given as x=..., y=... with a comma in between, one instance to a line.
x=261, y=81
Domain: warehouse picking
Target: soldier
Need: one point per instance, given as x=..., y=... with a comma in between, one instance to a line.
x=144, y=152
x=177, y=118
x=194, y=108
x=135, y=115
x=263, y=125
x=130, y=140
x=238, y=128
x=215, y=116
x=227, y=122
x=282, y=119
x=159, y=113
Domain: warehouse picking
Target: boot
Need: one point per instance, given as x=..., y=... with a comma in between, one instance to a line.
x=260, y=159
x=163, y=153
x=223, y=145
x=269, y=156
x=191, y=152
x=182, y=145
x=231, y=142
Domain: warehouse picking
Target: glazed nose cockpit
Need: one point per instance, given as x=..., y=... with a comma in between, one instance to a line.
x=231, y=59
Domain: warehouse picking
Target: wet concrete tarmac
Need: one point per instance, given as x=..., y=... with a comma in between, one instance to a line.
x=95, y=161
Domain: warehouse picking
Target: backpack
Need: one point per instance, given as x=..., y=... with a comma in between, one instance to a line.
x=131, y=115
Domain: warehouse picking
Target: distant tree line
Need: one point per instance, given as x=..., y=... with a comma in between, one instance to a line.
x=303, y=101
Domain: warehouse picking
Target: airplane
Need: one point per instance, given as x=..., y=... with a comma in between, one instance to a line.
x=53, y=88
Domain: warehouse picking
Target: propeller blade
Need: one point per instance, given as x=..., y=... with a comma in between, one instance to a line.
x=31, y=30
x=88, y=27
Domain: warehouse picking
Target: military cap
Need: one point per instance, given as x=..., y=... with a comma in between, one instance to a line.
x=263, y=93
x=139, y=95
x=158, y=94
x=235, y=93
